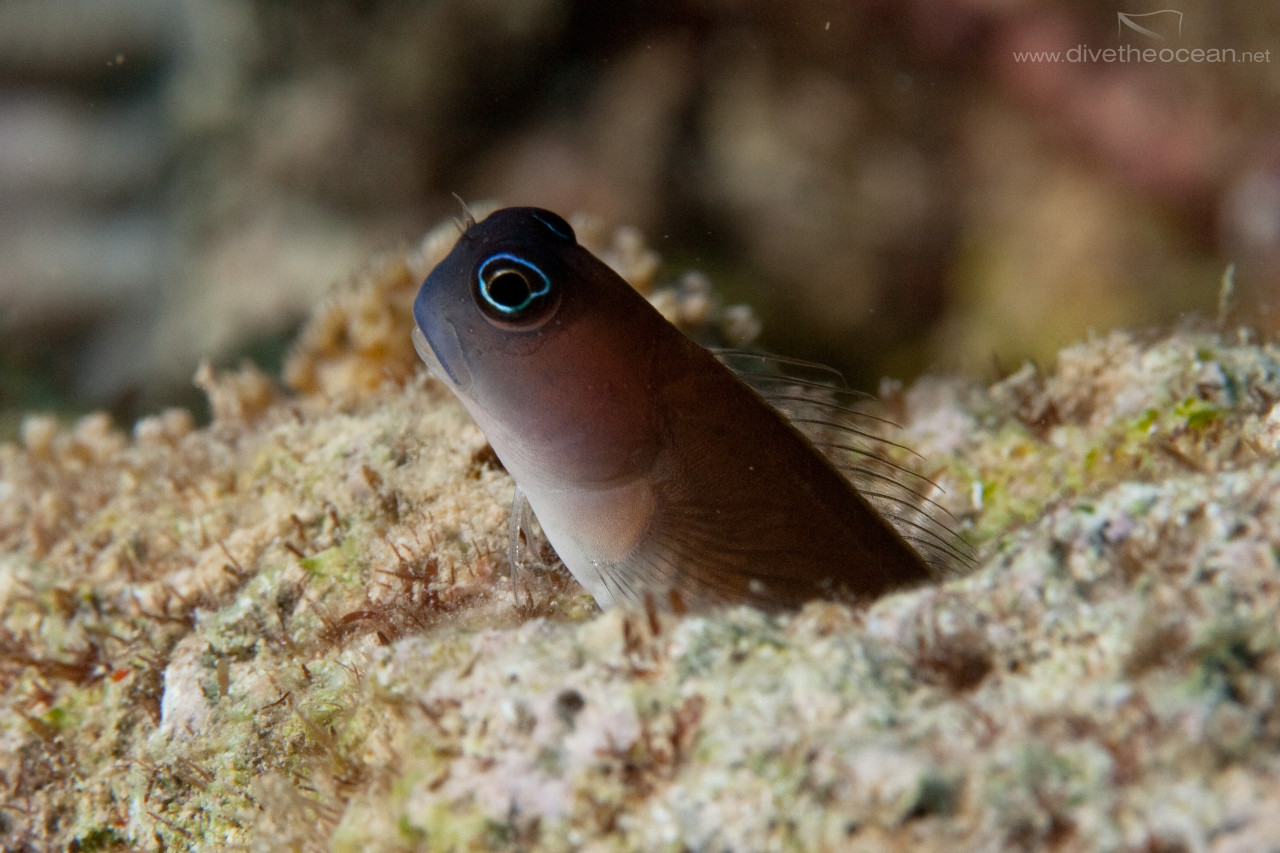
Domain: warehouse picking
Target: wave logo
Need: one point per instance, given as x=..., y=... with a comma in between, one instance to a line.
x=1161, y=26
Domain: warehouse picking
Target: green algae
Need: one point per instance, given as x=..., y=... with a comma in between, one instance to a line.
x=338, y=563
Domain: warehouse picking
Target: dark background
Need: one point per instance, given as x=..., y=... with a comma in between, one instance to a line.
x=883, y=181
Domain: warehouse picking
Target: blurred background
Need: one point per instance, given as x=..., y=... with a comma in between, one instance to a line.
x=890, y=185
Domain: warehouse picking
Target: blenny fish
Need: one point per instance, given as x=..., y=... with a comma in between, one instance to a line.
x=658, y=475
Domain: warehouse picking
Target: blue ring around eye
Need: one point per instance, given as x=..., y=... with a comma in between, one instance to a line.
x=520, y=267
x=563, y=229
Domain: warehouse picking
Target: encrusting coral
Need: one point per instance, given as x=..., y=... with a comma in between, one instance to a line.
x=296, y=628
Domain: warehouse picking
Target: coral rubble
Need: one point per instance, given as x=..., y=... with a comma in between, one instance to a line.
x=296, y=628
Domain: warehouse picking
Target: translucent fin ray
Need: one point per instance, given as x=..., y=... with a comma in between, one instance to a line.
x=816, y=400
x=520, y=533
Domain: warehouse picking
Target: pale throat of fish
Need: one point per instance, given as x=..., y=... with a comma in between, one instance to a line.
x=590, y=528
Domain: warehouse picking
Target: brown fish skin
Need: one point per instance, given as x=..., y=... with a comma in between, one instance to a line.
x=652, y=468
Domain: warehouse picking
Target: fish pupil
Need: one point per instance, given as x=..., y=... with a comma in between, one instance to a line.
x=510, y=290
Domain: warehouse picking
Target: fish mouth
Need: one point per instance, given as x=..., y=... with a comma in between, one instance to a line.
x=459, y=381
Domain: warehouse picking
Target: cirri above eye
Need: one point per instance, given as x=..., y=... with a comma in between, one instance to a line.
x=513, y=291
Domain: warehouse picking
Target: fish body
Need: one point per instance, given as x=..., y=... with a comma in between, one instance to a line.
x=656, y=474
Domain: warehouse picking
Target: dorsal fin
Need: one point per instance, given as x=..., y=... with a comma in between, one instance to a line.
x=818, y=402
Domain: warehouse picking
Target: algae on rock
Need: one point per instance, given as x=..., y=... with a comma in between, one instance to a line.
x=295, y=628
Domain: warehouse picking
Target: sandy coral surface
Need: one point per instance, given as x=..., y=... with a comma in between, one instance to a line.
x=296, y=628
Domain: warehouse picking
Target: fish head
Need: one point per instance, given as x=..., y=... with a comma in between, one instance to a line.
x=546, y=346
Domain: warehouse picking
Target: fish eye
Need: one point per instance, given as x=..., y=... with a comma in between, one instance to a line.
x=511, y=290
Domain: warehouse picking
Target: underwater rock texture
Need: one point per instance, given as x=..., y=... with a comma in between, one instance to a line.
x=296, y=629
